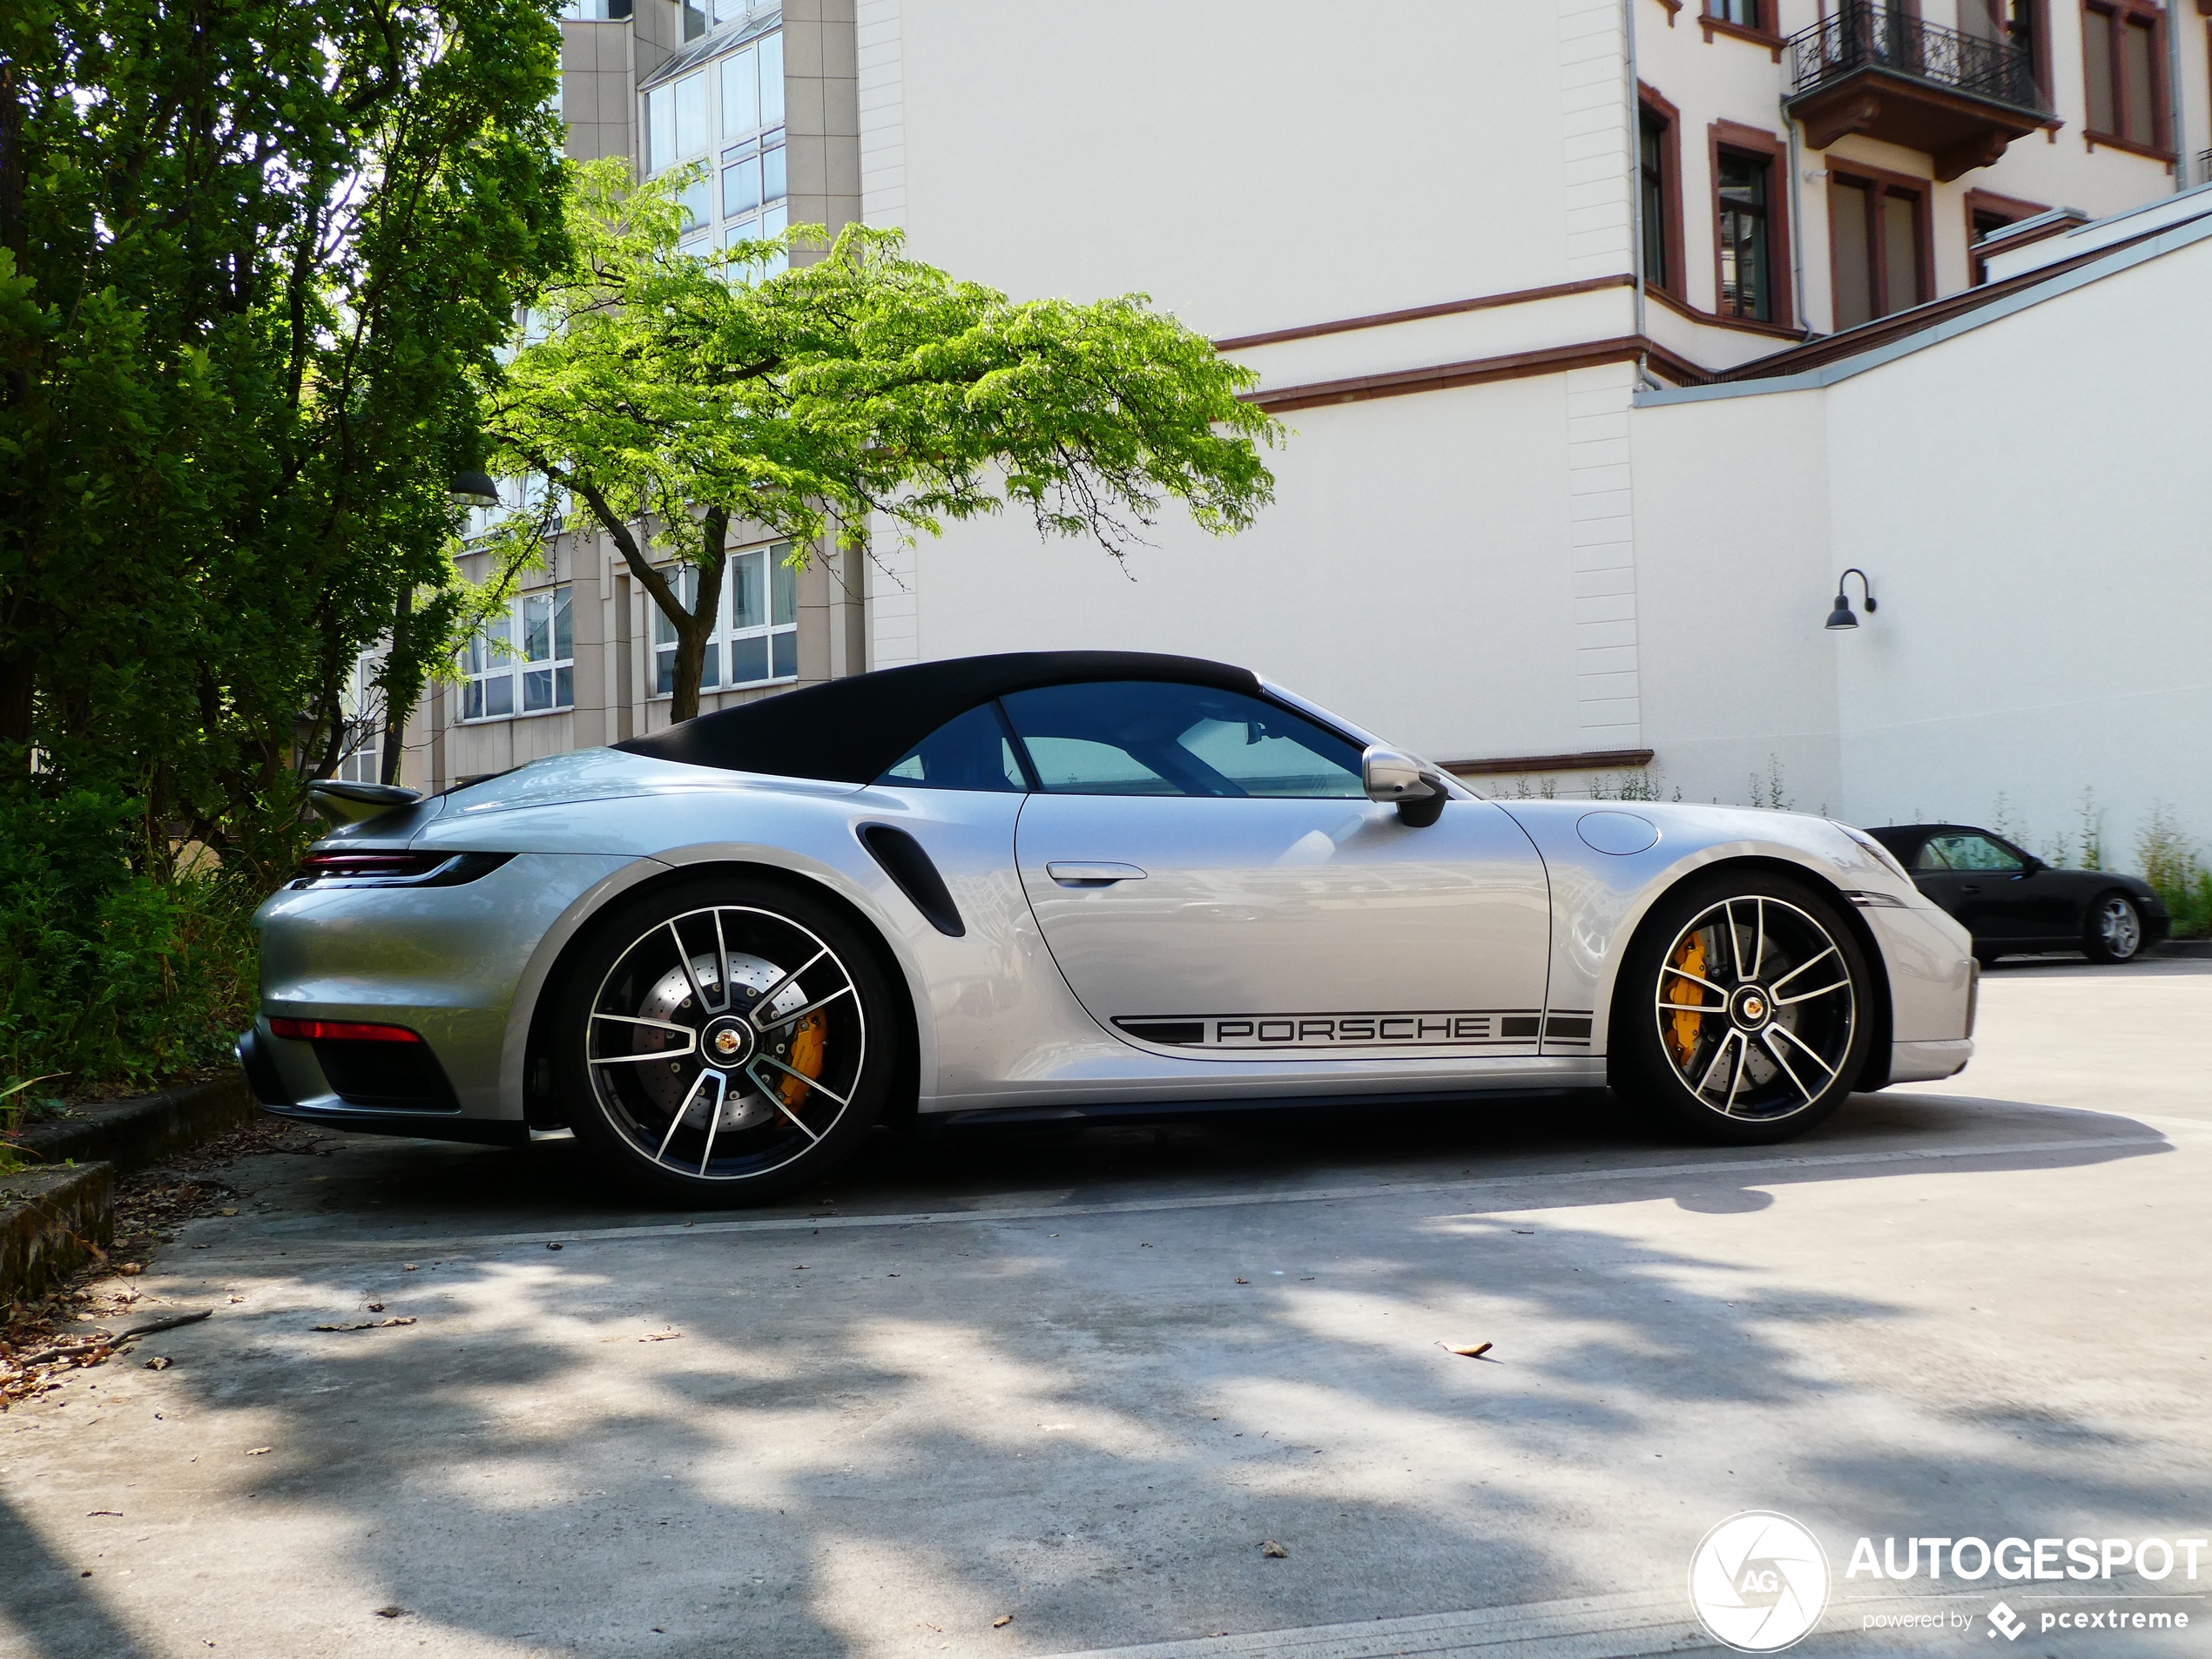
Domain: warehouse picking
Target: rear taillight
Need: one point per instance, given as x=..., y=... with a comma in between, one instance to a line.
x=340, y=1031
x=342, y=867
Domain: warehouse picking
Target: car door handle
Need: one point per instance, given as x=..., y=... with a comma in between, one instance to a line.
x=1968, y=889
x=1089, y=873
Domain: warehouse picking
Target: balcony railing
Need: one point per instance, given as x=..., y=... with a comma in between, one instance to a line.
x=1857, y=35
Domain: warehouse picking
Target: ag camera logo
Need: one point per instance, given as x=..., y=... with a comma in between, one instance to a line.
x=1758, y=1581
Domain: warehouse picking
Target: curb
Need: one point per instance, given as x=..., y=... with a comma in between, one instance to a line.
x=131, y=1133
x=2183, y=947
x=52, y=1221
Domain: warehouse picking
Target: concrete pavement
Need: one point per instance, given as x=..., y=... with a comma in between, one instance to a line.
x=1050, y=1391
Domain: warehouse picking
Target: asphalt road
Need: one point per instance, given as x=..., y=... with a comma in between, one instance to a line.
x=1048, y=1391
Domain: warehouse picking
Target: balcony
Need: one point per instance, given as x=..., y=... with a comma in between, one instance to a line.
x=1882, y=71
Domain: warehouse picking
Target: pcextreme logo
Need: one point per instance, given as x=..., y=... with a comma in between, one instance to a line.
x=1758, y=1581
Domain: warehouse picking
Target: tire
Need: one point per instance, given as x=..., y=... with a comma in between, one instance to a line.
x=2113, y=929
x=1768, y=1049
x=753, y=1061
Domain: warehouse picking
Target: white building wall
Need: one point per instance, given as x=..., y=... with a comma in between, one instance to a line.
x=2031, y=502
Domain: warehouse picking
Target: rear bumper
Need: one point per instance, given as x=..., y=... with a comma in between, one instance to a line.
x=1923, y=1062
x=330, y=1111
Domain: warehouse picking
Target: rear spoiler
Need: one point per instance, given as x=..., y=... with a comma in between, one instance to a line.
x=344, y=803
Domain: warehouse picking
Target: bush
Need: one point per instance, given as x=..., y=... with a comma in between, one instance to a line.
x=110, y=979
x=2170, y=864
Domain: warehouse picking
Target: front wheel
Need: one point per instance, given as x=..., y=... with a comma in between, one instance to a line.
x=2115, y=930
x=1743, y=1013
x=726, y=1041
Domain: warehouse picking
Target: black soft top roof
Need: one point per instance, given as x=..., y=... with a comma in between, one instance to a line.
x=851, y=730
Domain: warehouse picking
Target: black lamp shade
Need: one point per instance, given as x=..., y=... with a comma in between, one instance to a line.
x=477, y=486
x=1841, y=617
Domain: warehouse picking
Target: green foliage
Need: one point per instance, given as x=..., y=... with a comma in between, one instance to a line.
x=2171, y=864
x=110, y=979
x=251, y=257
x=1768, y=791
x=682, y=392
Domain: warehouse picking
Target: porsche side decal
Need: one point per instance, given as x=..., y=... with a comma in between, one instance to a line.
x=1427, y=1028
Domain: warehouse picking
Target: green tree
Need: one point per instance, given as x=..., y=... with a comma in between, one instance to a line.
x=253, y=255
x=673, y=398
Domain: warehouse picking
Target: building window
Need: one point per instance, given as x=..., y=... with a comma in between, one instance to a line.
x=1988, y=213
x=1743, y=14
x=1877, y=235
x=595, y=10
x=755, y=640
x=2121, y=73
x=523, y=662
x=361, y=703
x=755, y=187
x=1659, y=167
x=1742, y=183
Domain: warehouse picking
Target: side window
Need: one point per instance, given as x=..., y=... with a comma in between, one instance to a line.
x=968, y=752
x=1151, y=737
x=1930, y=856
x=1975, y=852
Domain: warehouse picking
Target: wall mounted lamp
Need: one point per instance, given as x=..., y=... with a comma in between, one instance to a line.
x=473, y=487
x=1841, y=617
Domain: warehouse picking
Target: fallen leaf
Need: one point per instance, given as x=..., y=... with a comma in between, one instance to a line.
x=1272, y=1548
x=159, y=1362
x=130, y=1269
x=226, y=1212
x=1244, y=1281
x=552, y=1246
x=660, y=1336
x=1001, y=1622
x=1466, y=1351
x=891, y=1276
x=375, y=1307
x=368, y=1325
x=407, y=1267
x=258, y=1451
x=1526, y=1232
x=118, y=1513
x=395, y=1611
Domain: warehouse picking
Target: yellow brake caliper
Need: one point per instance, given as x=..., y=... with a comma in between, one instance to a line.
x=1684, y=1028
x=809, y=1041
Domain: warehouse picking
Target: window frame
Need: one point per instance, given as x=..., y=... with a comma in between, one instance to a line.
x=513, y=665
x=725, y=633
x=2011, y=210
x=1650, y=103
x=1765, y=33
x=1878, y=183
x=2115, y=17
x=1771, y=152
x=361, y=706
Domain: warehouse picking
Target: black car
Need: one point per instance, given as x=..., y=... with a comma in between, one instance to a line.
x=2012, y=901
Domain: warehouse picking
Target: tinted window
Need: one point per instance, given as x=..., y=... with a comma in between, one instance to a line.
x=1148, y=738
x=1972, y=852
x=1930, y=856
x=968, y=752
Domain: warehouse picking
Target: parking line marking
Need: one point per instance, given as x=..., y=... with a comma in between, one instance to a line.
x=309, y=1249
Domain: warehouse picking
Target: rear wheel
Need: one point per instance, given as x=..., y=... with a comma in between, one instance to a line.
x=1743, y=1014
x=723, y=1041
x=2114, y=932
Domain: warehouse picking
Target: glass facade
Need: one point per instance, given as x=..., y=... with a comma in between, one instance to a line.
x=728, y=113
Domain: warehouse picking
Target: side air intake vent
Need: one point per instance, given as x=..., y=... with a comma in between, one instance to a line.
x=905, y=862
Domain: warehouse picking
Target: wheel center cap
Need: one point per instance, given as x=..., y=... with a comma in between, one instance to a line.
x=1751, y=1006
x=727, y=1043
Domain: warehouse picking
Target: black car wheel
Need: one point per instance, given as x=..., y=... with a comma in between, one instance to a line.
x=1743, y=1012
x=2114, y=932
x=726, y=1041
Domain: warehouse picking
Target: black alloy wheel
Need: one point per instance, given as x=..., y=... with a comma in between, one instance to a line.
x=725, y=1041
x=1743, y=1010
x=2114, y=931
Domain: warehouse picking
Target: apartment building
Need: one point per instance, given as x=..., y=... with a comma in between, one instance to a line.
x=1458, y=243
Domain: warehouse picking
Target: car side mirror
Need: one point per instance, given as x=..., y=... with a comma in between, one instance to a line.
x=2032, y=864
x=1399, y=779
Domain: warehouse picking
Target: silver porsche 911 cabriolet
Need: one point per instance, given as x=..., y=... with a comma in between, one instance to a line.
x=1058, y=883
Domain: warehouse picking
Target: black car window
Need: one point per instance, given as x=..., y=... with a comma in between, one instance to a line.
x=1930, y=856
x=1973, y=851
x=970, y=751
x=1151, y=737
